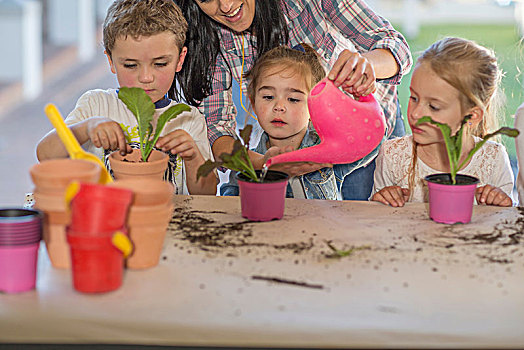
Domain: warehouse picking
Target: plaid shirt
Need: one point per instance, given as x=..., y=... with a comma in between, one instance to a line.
x=329, y=26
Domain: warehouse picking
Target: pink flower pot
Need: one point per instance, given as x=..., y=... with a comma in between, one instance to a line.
x=18, y=267
x=263, y=201
x=349, y=129
x=449, y=204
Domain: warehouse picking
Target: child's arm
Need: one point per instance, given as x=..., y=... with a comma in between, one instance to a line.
x=181, y=143
x=103, y=132
x=392, y=195
x=491, y=195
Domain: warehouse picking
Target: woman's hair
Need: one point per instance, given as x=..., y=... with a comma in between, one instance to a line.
x=473, y=70
x=137, y=18
x=203, y=43
x=302, y=60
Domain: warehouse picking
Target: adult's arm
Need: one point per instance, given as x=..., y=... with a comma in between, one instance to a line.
x=382, y=45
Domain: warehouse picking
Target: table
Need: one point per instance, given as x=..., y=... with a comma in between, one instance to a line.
x=224, y=281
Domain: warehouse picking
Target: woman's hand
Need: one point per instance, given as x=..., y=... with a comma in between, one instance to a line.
x=392, y=195
x=108, y=134
x=354, y=73
x=491, y=195
x=293, y=168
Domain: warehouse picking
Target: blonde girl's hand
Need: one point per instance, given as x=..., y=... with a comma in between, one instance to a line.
x=491, y=195
x=179, y=142
x=354, y=73
x=392, y=195
x=106, y=133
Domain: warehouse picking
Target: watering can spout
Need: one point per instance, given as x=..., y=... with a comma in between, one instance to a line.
x=349, y=129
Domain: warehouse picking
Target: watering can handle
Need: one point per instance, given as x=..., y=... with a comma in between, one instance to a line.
x=65, y=134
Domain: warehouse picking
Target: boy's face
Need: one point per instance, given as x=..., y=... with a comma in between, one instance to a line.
x=281, y=105
x=149, y=62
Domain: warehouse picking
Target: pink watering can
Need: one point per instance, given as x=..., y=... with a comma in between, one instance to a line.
x=349, y=129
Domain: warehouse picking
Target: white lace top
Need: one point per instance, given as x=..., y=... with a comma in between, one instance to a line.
x=490, y=165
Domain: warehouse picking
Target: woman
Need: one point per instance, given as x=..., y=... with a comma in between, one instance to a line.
x=360, y=50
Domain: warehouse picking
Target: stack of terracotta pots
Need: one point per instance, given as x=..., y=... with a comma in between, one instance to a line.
x=149, y=215
x=51, y=178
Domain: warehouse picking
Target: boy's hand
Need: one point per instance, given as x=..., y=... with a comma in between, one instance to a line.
x=108, y=134
x=179, y=142
x=354, y=73
x=293, y=168
x=492, y=196
x=392, y=195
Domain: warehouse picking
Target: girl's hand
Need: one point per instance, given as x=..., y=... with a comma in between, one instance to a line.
x=392, y=195
x=108, y=134
x=354, y=73
x=491, y=195
x=179, y=142
x=294, y=168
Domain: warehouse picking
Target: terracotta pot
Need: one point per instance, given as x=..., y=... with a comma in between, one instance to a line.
x=52, y=176
x=449, y=204
x=153, y=215
x=263, y=201
x=57, y=246
x=148, y=242
x=132, y=166
x=147, y=192
x=49, y=202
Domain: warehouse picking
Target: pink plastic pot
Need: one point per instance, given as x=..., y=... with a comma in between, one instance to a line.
x=349, y=129
x=449, y=204
x=18, y=267
x=263, y=201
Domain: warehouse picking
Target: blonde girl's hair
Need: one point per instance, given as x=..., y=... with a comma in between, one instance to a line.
x=473, y=70
x=137, y=18
x=302, y=60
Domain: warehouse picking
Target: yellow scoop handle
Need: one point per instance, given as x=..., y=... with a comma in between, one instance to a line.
x=71, y=143
x=122, y=243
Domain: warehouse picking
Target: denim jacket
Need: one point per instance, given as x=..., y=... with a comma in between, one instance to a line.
x=321, y=184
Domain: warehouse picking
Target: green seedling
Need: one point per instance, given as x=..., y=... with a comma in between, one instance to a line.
x=140, y=104
x=237, y=160
x=341, y=253
x=454, y=142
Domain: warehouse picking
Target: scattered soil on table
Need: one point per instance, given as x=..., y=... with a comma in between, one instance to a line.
x=210, y=235
x=287, y=281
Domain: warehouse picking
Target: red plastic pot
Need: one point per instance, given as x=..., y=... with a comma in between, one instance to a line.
x=98, y=208
x=449, y=204
x=263, y=201
x=97, y=265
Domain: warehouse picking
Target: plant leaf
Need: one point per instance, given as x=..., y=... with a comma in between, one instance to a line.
x=207, y=168
x=140, y=104
x=171, y=113
x=245, y=134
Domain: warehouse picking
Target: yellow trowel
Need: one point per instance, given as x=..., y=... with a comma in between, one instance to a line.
x=71, y=143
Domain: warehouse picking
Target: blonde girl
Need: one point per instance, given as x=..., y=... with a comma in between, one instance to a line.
x=453, y=78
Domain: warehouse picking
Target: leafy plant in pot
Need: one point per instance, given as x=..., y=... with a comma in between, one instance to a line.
x=262, y=196
x=451, y=195
x=146, y=162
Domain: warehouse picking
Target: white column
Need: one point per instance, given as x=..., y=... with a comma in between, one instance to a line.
x=86, y=30
x=410, y=19
x=32, y=49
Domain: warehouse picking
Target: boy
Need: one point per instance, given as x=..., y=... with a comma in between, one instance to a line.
x=144, y=45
